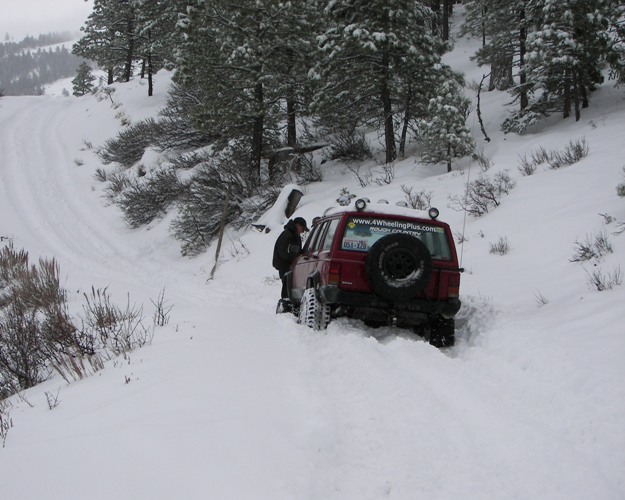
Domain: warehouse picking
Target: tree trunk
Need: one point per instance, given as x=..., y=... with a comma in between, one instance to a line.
x=257, y=133
x=484, y=11
x=501, y=72
x=404, y=130
x=150, y=75
x=435, y=5
x=566, y=97
x=524, y=101
x=130, y=50
x=445, y=20
x=110, y=76
x=389, y=133
x=291, y=128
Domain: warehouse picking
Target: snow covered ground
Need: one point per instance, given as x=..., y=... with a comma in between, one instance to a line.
x=231, y=401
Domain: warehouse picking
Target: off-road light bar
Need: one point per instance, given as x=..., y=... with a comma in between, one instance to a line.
x=433, y=213
x=360, y=204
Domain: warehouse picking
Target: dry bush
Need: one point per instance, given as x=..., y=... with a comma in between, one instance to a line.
x=600, y=281
x=6, y=422
x=109, y=329
x=349, y=145
x=483, y=194
x=500, y=247
x=38, y=336
x=419, y=201
x=593, y=247
x=573, y=152
x=620, y=189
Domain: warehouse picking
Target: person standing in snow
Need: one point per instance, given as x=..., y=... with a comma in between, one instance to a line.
x=287, y=247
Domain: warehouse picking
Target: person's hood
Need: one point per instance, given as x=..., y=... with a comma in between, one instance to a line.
x=290, y=226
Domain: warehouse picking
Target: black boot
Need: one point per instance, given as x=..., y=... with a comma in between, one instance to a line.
x=284, y=306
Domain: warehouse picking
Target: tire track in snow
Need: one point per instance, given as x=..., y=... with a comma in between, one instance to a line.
x=44, y=189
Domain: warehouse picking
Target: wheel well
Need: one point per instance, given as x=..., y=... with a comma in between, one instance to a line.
x=313, y=280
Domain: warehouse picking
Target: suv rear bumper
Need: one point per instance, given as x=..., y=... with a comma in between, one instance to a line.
x=333, y=295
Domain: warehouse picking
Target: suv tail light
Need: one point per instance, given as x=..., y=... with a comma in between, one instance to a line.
x=334, y=274
x=453, y=286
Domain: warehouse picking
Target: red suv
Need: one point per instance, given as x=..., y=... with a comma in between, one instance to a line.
x=383, y=265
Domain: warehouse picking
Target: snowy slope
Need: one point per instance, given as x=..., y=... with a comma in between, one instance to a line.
x=233, y=402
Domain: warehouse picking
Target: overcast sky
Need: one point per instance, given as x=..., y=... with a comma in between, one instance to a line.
x=20, y=18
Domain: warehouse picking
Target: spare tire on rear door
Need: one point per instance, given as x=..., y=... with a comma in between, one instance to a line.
x=398, y=267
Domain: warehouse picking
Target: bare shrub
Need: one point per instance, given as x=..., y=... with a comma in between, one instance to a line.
x=481, y=159
x=500, y=247
x=483, y=194
x=306, y=170
x=541, y=300
x=349, y=145
x=111, y=329
x=421, y=200
x=52, y=399
x=572, y=153
x=162, y=311
x=38, y=336
x=540, y=155
x=460, y=237
x=526, y=167
x=620, y=189
x=593, y=247
x=599, y=281
x=33, y=319
x=6, y=422
x=385, y=175
x=364, y=178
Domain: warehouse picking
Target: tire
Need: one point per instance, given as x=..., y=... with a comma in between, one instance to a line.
x=399, y=267
x=442, y=332
x=312, y=312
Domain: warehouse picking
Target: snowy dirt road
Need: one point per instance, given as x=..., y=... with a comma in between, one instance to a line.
x=232, y=401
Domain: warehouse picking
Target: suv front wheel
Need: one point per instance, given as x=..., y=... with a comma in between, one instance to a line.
x=313, y=312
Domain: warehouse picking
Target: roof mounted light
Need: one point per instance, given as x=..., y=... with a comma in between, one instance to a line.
x=383, y=202
x=360, y=204
x=433, y=213
x=402, y=204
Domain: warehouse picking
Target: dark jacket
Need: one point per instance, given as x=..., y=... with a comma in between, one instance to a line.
x=287, y=247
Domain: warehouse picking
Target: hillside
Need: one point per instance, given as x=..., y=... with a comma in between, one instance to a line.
x=231, y=401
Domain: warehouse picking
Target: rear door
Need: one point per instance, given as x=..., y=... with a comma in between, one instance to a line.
x=306, y=264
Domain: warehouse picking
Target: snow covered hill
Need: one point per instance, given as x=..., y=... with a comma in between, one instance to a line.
x=231, y=401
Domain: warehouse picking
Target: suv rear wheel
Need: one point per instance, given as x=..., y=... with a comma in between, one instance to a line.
x=442, y=332
x=399, y=267
x=313, y=312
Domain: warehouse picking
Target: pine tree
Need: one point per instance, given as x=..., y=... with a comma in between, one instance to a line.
x=83, y=81
x=372, y=50
x=157, y=34
x=566, y=53
x=444, y=133
x=245, y=59
x=109, y=38
x=502, y=26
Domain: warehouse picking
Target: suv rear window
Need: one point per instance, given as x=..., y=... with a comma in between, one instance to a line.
x=361, y=233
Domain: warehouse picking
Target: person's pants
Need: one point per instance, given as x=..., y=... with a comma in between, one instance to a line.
x=285, y=294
